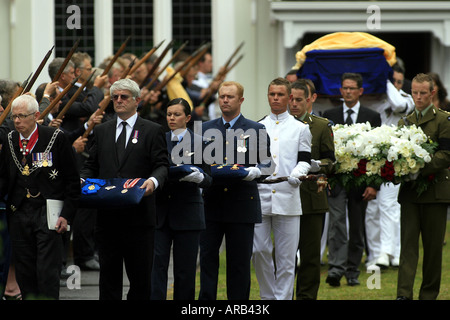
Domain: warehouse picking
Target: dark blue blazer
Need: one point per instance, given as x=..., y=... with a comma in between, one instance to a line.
x=180, y=204
x=237, y=202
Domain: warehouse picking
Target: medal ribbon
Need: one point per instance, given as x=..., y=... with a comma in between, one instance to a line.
x=130, y=183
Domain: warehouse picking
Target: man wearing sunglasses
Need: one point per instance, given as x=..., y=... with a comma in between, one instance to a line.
x=128, y=147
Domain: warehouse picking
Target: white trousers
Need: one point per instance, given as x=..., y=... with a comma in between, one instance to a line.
x=276, y=281
x=383, y=223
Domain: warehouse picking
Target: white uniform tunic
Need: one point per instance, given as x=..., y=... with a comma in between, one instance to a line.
x=288, y=137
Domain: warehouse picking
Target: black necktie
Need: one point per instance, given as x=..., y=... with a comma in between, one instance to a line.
x=120, y=144
x=227, y=126
x=349, y=120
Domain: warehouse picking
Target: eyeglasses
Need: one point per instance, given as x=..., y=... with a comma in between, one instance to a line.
x=349, y=88
x=121, y=96
x=20, y=116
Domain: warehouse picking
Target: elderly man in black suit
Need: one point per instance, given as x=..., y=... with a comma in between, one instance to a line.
x=344, y=256
x=37, y=165
x=128, y=147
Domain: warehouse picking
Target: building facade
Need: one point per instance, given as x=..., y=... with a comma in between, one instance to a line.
x=273, y=31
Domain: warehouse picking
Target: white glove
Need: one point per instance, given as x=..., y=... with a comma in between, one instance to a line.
x=196, y=176
x=253, y=173
x=295, y=182
x=315, y=165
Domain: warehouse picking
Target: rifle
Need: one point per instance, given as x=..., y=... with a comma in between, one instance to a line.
x=220, y=75
x=148, y=86
x=116, y=56
x=146, y=57
x=156, y=64
x=38, y=71
x=320, y=178
x=16, y=94
x=57, y=99
x=163, y=83
x=74, y=97
x=66, y=61
x=196, y=56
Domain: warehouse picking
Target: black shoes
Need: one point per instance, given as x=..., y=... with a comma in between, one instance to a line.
x=353, y=282
x=333, y=281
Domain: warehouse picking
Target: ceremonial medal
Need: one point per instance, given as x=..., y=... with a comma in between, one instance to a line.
x=135, y=137
x=45, y=163
x=91, y=187
x=130, y=183
x=241, y=146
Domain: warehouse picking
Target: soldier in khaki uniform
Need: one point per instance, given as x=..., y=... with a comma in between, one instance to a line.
x=314, y=203
x=425, y=213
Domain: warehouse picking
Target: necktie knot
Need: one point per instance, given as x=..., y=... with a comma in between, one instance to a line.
x=227, y=125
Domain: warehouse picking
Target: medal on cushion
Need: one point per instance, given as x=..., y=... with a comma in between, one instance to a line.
x=130, y=183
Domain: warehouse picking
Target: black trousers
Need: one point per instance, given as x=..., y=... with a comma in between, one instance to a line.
x=185, y=245
x=308, y=275
x=37, y=251
x=239, y=248
x=129, y=246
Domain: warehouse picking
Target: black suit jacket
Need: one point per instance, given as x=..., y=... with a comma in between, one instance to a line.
x=337, y=116
x=85, y=105
x=144, y=159
x=61, y=181
x=237, y=202
x=180, y=204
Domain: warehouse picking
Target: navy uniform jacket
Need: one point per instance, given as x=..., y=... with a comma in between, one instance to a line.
x=180, y=204
x=237, y=202
x=144, y=159
x=61, y=181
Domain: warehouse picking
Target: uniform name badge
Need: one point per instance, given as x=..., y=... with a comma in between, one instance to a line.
x=135, y=137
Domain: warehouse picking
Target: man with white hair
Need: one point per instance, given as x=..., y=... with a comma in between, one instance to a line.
x=37, y=165
x=127, y=147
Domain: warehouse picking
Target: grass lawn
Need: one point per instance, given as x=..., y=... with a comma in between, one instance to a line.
x=388, y=282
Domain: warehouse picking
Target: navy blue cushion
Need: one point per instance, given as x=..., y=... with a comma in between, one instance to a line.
x=180, y=171
x=100, y=193
x=228, y=172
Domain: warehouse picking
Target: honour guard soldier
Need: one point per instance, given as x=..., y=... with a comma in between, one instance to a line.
x=280, y=202
x=37, y=164
x=314, y=203
x=232, y=207
x=425, y=213
x=179, y=207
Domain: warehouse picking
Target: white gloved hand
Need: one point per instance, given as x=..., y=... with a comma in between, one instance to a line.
x=315, y=165
x=253, y=173
x=295, y=182
x=196, y=176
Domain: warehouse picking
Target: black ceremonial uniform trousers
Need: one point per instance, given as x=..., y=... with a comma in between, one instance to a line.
x=37, y=251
